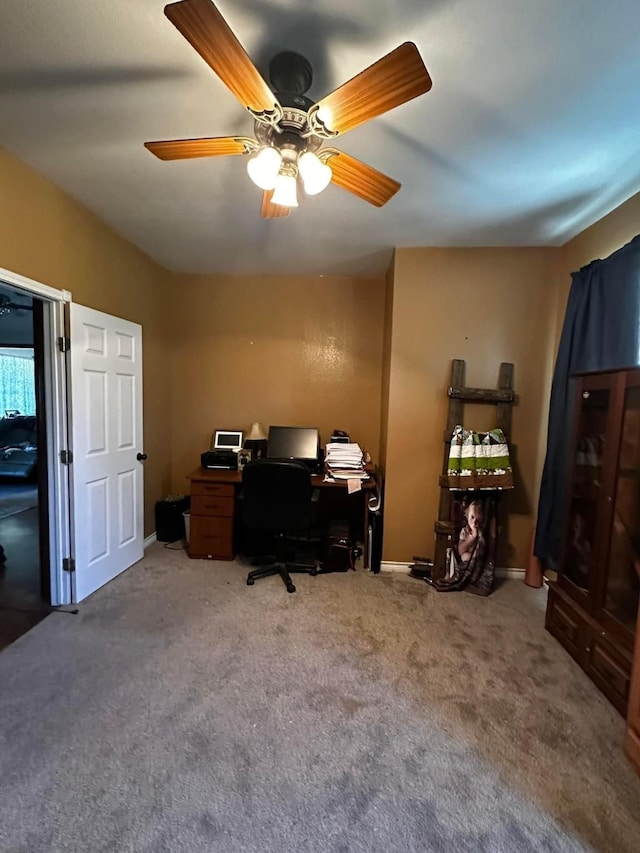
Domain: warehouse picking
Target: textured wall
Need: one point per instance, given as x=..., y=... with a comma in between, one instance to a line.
x=485, y=306
x=47, y=236
x=279, y=350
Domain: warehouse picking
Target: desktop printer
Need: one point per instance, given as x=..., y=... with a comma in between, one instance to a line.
x=227, y=459
x=224, y=450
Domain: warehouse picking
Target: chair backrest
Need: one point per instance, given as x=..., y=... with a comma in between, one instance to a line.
x=276, y=495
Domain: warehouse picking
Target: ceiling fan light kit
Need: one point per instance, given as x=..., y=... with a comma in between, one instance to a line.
x=290, y=129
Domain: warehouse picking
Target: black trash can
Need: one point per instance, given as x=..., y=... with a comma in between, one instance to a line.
x=169, y=518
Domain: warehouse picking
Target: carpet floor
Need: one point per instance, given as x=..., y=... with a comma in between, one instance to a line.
x=184, y=711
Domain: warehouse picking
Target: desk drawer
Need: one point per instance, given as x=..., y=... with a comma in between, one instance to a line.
x=200, y=487
x=211, y=537
x=212, y=505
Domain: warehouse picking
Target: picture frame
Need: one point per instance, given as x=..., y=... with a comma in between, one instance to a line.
x=244, y=456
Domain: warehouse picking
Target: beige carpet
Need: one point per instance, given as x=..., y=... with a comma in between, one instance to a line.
x=184, y=711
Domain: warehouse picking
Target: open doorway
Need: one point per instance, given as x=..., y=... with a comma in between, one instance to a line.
x=78, y=549
x=24, y=569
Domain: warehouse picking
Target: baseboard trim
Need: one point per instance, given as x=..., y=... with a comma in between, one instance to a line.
x=388, y=566
x=150, y=540
x=518, y=574
x=395, y=567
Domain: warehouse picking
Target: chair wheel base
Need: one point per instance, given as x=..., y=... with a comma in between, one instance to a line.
x=250, y=581
x=290, y=587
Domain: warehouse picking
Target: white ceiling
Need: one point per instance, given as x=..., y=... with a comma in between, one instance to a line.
x=530, y=133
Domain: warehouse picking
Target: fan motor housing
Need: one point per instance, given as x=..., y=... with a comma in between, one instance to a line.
x=290, y=72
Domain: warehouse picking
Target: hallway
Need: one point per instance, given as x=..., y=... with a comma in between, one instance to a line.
x=20, y=576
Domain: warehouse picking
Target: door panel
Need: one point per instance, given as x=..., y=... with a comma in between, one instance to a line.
x=622, y=584
x=585, y=487
x=106, y=418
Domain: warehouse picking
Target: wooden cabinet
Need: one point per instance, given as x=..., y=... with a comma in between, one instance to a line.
x=212, y=518
x=593, y=607
x=632, y=740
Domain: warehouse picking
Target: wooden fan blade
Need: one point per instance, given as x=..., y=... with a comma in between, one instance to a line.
x=186, y=149
x=361, y=180
x=270, y=210
x=393, y=80
x=207, y=32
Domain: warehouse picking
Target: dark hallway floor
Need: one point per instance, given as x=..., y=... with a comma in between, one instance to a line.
x=20, y=576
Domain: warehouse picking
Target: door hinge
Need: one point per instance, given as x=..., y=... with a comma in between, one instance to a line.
x=66, y=457
x=64, y=344
x=68, y=564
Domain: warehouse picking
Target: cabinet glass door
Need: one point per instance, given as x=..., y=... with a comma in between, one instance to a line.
x=586, y=486
x=622, y=585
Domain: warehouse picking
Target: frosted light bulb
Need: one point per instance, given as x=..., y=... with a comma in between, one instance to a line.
x=285, y=191
x=315, y=174
x=263, y=168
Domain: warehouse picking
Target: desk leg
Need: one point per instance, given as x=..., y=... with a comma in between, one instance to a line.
x=366, y=556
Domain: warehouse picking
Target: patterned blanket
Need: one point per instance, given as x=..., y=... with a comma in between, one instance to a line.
x=479, y=460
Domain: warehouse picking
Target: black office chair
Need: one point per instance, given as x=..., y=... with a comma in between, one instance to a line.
x=277, y=498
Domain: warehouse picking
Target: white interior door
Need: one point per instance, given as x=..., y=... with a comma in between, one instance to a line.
x=106, y=437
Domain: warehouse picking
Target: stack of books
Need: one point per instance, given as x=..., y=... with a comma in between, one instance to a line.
x=344, y=461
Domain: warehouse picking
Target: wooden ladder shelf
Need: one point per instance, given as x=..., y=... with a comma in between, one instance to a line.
x=502, y=398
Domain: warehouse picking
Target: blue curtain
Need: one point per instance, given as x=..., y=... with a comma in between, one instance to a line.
x=600, y=332
x=17, y=385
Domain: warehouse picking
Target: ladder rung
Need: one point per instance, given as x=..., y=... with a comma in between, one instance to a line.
x=481, y=395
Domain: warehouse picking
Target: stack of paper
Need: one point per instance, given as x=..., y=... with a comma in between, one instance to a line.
x=345, y=461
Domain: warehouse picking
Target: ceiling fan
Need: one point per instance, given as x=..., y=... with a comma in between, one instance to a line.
x=7, y=306
x=290, y=129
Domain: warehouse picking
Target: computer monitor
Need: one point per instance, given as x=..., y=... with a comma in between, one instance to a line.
x=285, y=442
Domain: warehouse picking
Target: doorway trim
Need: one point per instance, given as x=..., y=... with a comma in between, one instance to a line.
x=55, y=382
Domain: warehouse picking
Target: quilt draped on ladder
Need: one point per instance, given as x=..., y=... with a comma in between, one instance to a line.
x=479, y=460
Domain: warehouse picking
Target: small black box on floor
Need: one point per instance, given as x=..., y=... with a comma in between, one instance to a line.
x=169, y=518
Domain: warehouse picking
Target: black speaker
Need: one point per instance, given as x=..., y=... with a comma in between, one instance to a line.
x=169, y=518
x=374, y=536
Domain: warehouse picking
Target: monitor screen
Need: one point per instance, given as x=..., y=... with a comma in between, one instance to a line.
x=227, y=439
x=293, y=443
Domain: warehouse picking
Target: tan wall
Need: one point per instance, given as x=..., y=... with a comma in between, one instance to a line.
x=485, y=306
x=321, y=351
x=279, y=350
x=386, y=367
x=49, y=237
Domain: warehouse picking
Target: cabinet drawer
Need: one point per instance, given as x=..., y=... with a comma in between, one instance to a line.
x=565, y=624
x=211, y=537
x=632, y=747
x=610, y=671
x=200, y=487
x=212, y=505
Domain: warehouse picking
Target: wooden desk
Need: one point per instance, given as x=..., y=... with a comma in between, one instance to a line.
x=214, y=519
